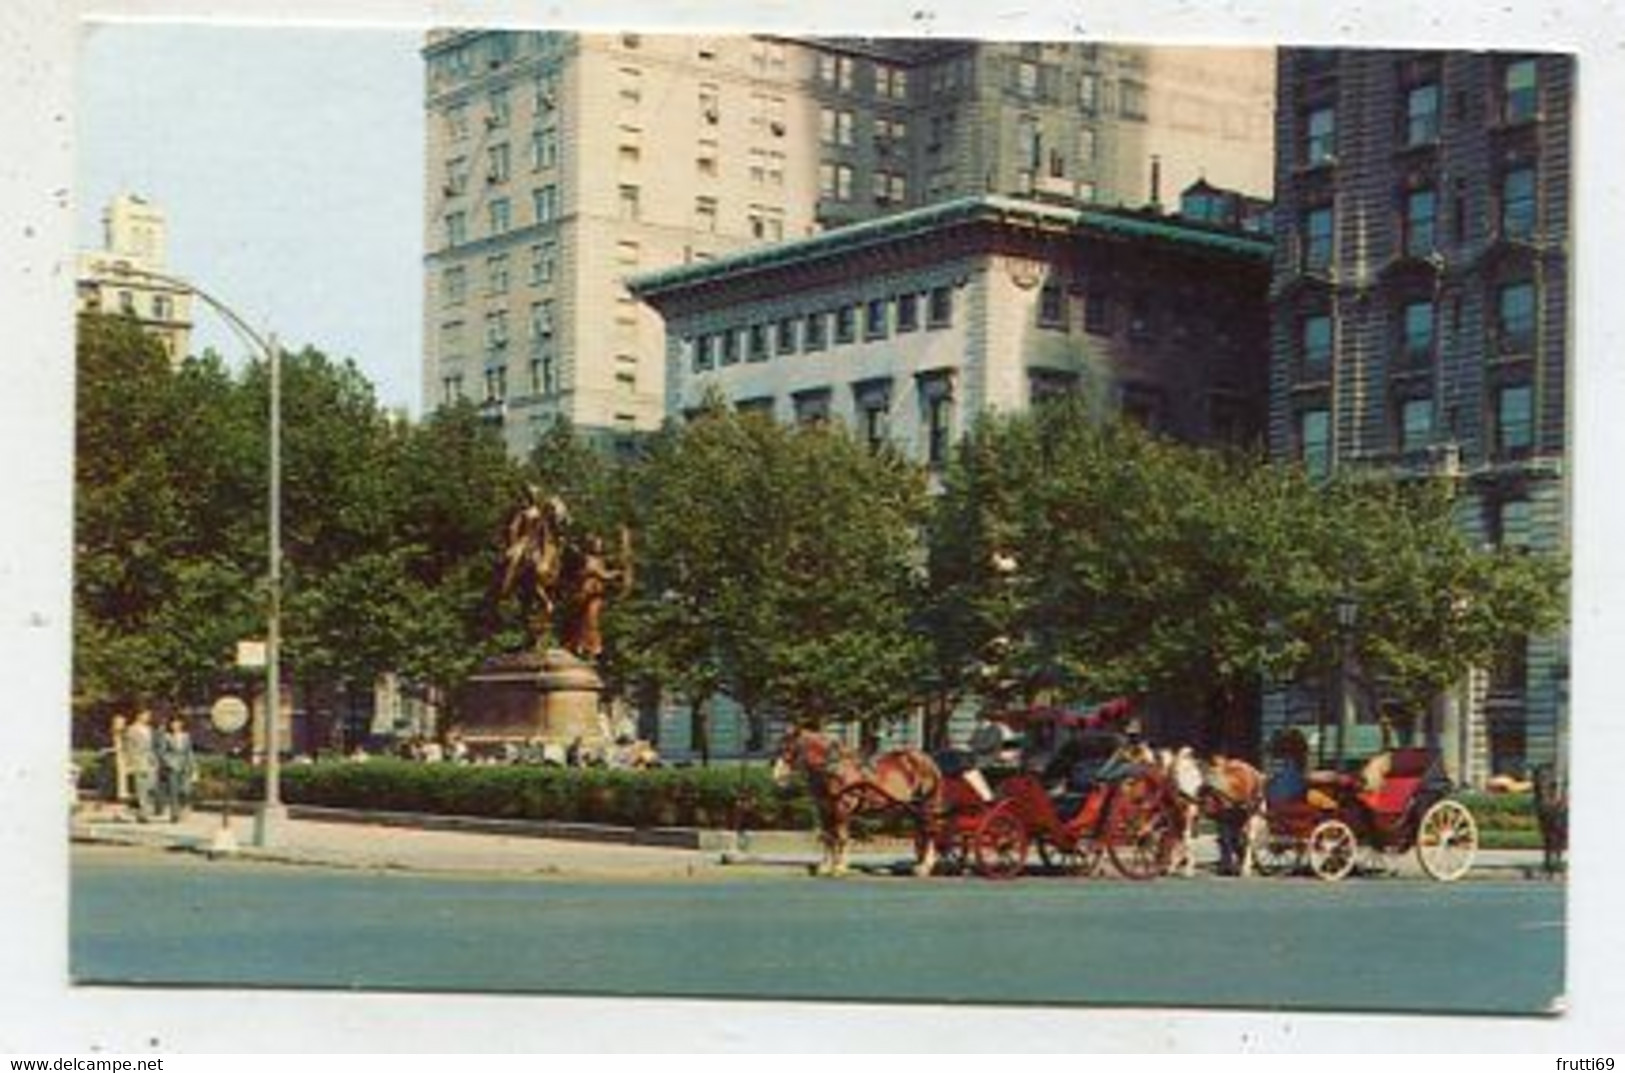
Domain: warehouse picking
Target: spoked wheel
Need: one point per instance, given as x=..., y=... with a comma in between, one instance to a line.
x=999, y=846
x=1332, y=849
x=1141, y=833
x=1278, y=855
x=1447, y=840
x=1083, y=859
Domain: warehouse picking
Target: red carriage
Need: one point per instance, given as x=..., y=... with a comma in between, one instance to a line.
x=1399, y=802
x=1127, y=810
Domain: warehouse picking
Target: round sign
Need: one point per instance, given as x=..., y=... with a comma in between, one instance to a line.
x=229, y=715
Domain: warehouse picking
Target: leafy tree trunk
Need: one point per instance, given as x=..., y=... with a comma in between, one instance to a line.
x=700, y=729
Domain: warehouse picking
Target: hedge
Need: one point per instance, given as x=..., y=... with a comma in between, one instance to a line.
x=720, y=797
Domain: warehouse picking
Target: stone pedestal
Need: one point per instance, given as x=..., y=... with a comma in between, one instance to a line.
x=552, y=697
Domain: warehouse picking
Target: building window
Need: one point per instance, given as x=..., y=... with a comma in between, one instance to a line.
x=456, y=228
x=496, y=383
x=1415, y=424
x=812, y=407
x=500, y=109
x=1519, y=91
x=875, y=318
x=1317, y=344
x=846, y=324
x=543, y=262
x=1421, y=219
x=631, y=87
x=451, y=388
x=939, y=424
x=1143, y=405
x=1027, y=79
x=835, y=182
x=541, y=320
x=496, y=274
x=766, y=222
x=813, y=331
x=908, y=312
x=1086, y=146
x=451, y=339
x=1089, y=92
x=891, y=82
x=1513, y=523
x=705, y=356
x=544, y=148
x=1422, y=114
x=874, y=420
x=1320, y=137
x=456, y=176
x=835, y=127
x=1417, y=331
x=497, y=163
x=501, y=215
x=730, y=347
x=1131, y=100
x=547, y=93
x=705, y=214
x=1317, y=239
x=1139, y=316
x=756, y=343
x=630, y=208
x=1518, y=203
x=496, y=329
x=1097, y=314
x=940, y=312
x=457, y=123
x=1514, y=418
x=1052, y=307
x=835, y=71
x=453, y=285
x=891, y=188
x=545, y=201
x=541, y=374
x=1315, y=442
x=785, y=339
x=1515, y=317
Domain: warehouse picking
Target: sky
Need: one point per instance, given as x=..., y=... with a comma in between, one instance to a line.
x=289, y=164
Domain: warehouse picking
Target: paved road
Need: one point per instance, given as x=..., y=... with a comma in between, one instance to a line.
x=1369, y=944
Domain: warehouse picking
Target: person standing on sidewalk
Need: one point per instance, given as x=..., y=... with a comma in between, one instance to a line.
x=177, y=770
x=141, y=759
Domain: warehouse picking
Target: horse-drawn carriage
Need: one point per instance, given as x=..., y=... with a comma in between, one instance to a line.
x=988, y=822
x=1399, y=802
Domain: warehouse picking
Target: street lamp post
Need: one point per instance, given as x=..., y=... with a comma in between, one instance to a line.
x=271, y=813
x=1348, y=613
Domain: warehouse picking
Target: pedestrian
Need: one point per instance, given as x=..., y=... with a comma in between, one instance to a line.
x=115, y=768
x=141, y=759
x=177, y=769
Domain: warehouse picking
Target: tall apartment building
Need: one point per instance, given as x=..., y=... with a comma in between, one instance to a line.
x=1420, y=311
x=559, y=164
x=110, y=281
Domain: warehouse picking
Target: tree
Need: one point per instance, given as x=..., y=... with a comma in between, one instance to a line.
x=775, y=566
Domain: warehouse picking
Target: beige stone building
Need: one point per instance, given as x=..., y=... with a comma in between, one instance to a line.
x=559, y=165
x=110, y=280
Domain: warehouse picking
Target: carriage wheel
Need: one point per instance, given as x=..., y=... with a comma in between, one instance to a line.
x=999, y=846
x=1141, y=834
x=1082, y=859
x=1447, y=840
x=1278, y=855
x=1332, y=849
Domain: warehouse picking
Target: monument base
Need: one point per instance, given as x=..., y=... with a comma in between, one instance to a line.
x=549, y=697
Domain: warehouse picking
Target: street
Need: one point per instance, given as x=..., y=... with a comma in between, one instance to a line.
x=1365, y=944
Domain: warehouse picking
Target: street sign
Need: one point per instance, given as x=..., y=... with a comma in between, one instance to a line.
x=251, y=654
x=229, y=715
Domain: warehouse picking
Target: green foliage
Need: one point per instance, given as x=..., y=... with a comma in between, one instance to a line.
x=776, y=565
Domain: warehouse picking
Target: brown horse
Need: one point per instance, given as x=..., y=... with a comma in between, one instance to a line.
x=1231, y=793
x=842, y=787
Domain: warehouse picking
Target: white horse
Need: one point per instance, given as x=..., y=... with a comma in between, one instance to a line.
x=1229, y=791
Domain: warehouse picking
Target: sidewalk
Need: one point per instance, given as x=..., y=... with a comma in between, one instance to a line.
x=359, y=840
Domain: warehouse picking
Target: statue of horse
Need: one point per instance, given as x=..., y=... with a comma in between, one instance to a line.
x=1231, y=793
x=533, y=560
x=842, y=787
x=1552, y=813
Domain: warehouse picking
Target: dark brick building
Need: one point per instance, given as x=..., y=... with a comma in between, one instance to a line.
x=1420, y=303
